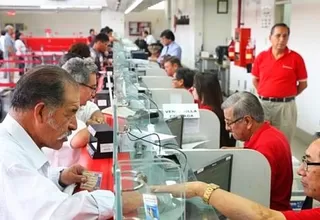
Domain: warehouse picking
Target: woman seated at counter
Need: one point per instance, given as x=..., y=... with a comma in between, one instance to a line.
x=183, y=78
x=207, y=93
x=155, y=51
x=142, y=45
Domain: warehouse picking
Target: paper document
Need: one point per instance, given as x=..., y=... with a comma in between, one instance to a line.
x=122, y=112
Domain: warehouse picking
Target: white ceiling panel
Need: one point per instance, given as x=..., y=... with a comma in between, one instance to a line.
x=115, y=5
x=122, y=5
x=146, y=4
x=16, y=3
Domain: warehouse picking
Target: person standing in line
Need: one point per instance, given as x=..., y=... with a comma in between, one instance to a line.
x=98, y=49
x=9, y=51
x=91, y=37
x=2, y=36
x=279, y=75
x=21, y=51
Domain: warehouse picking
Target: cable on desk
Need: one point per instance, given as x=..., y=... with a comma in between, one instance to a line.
x=142, y=138
x=178, y=150
x=150, y=99
x=160, y=146
x=158, y=110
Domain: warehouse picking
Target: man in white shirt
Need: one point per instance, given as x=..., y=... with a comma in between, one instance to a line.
x=2, y=36
x=42, y=113
x=149, y=39
x=84, y=72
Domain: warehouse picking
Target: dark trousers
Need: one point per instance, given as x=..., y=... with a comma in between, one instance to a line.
x=21, y=65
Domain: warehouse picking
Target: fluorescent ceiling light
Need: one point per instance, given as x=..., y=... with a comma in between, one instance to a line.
x=133, y=6
x=158, y=6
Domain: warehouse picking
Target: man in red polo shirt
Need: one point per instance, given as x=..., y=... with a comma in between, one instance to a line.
x=279, y=75
x=245, y=119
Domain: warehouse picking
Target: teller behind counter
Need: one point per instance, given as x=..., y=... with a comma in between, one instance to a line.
x=225, y=167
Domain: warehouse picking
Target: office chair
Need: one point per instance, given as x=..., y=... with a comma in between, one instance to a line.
x=307, y=204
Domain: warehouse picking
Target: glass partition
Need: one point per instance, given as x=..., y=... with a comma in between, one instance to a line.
x=138, y=175
x=155, y=156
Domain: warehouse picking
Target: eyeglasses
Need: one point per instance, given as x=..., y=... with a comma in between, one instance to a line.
x=90, y=87
x=233, y=122
x=306, y=163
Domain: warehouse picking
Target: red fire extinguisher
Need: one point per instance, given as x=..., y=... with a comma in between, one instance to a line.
x=250, y=52
x=250, y=55
x=231, y=50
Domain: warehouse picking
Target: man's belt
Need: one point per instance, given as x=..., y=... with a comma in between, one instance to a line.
x=270, y=99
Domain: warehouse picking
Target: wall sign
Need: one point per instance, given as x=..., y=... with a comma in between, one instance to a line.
x=265, y=17
x=222, y=6
x=187, y=110
x=136, y=28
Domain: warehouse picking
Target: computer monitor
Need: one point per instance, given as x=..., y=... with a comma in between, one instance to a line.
x=218, y=172
x=176, y=128
x=139, y=54
x=221, y=51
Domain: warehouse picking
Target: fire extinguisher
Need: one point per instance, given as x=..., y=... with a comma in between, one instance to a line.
x=231, y=50
x=250, y=55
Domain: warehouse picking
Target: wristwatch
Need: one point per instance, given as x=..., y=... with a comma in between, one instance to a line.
x=207, y=194
x=59, y=181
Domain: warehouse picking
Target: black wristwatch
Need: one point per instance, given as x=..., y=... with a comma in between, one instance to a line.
x=59, y=181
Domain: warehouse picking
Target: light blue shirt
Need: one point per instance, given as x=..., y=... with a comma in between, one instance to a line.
x=172, y=49
x=8, y=42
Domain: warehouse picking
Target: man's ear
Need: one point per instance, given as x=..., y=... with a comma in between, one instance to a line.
x=40, y=113
x=249, y=121
x=181, y=83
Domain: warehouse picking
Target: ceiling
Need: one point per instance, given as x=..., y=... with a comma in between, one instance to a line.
x=124, y=4
x=146, y=4
x=82, y=5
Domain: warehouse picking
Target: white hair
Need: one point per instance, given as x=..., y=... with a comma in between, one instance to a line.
x=8, y=27
x=244, y=103
x=78, y=69
x=89, y=63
